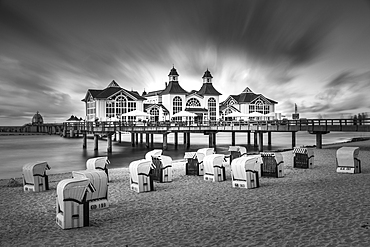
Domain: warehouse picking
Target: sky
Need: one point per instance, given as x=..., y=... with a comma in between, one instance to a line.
x=315, y=54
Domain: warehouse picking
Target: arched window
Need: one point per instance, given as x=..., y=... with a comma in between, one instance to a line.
x=154, y=114
x=260, y=107
x=177, y=104
x=193, y=103
x=212, y=109
x=121, y=106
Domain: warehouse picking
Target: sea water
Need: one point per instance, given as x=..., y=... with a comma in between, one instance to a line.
x=67, y=154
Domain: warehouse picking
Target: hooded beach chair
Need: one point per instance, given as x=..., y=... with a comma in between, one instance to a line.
x=272, y=165
x=303, y=157
x=99, y=179
x=98, y=163
x=161, y=168
x=72, y=208
x=201, y=153
x=191, y=166
x=244, y=172
x=236, y=152
x=140, y=179
x=154, y=152
x=347, y=160
x=214, y=169
x=34, y=176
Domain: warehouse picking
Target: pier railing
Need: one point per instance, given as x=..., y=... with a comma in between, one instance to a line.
x=310, y=125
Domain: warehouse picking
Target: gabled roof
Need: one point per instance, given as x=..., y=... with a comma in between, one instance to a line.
x=247, y=96
x=113, y=84
x=224, y=107
x=149, y=106
x=173, y=88
x=208, y=89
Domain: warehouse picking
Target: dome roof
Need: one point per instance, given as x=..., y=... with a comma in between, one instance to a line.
x=37, y=119
x=173, y=72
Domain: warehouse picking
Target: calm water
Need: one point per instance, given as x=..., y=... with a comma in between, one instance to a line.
x=66, y=155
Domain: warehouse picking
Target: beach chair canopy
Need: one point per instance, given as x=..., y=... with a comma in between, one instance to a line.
x=201, y=153
x=139, y=167
x=240, y=165
x=190, y=155
x=98, y=178
x=97, y=163
x=155, y=153
x=240, y=149
x=347, y=155
x=278, y=156
x=212, y=160
x=34, y=169
x=73, y=189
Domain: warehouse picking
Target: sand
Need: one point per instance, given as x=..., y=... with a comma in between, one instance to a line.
x=307, y=207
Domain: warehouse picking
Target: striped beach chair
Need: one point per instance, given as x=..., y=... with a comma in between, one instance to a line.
x=72, y=209
x=34, y=176
x=98, y=163
x=99, y=179
x=201, y=153
x=140, y=179
x=214, y=169
x=303, y=157
x=347, y=160
x=272, y=165
x=244, y=172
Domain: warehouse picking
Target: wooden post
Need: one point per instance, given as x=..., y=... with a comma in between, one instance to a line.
x=255, y=139
x=176, y=139
x=147, y=140
x=293, y=139
x=249, y=137
x=188, y=140
x=233, y=138
x=214, y=139
x=184, y=138
x=137, y=138
x=96, y=141
x=151, y=139
x=260, y=148
x=132, y=139
x=141, y=137
x=84, y=141
x=269, y=138
x=210, y=142
x=119, y=136
x=318, y=140
x=165, y=141
x=109, y=143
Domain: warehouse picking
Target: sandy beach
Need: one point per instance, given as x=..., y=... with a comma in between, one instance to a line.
x=307, y=207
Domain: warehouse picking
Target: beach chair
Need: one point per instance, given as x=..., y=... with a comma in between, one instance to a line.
x=201, y=153
x=72, y=208
x=244, y=172
x=272, y=165
x=99, y=179
x=236, y=152
x=98, y=163
x=303, y=157
x=161, y=168
x=214, y=170
x=191, y=166
x=154, y=152
x=347, y=160
x=34, y=176
x=140, y=179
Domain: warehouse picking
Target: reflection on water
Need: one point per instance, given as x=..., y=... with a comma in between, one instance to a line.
x=65, y=155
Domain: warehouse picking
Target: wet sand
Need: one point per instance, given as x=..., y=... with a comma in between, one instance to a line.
x=307, y=207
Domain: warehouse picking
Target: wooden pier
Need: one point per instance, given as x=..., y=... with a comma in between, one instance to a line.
x=317, y=127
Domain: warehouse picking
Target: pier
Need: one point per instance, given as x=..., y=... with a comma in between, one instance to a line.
x=258, y=129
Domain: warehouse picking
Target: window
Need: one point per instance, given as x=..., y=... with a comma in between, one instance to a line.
x=212, y=109
x=260, y=107
x=154, y=114
x=177, y=106
x=91, y=110
x=121, y=104
x=193, y=103
x=109, y=109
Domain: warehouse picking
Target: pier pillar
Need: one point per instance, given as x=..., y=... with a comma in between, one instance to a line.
x=137, y=138
x=84, y=141
x=233, y=138
x=133, y=139
x=184, y=138
x=151, y=139
x=109, y=143
x=147, y=140
x=141, y=137
x=119, y=136
x=188, y=140
x=248, y=138
x=293, y=140
x=176, y=139
x=255, y=139
x=210, y=141
x=319, y=140
x=260, y=147
x=214, y=139
x=96, y=141
x=269, y=138
x=164, y=141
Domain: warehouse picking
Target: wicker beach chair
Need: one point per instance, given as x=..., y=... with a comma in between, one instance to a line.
x=154, y=152
x=347, y=160
x=161, y=168
x=303, y=157
x=244, y=172
x=201, y=153
x=272, y=165
x=140, y=179
x=236, y=152
x=35, y=177
x=72, y=208
x=191, y=166
x=214, y=170
x=99, y=179
x=98, y=163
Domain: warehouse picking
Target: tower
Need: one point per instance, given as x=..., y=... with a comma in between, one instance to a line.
x=173, y=75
